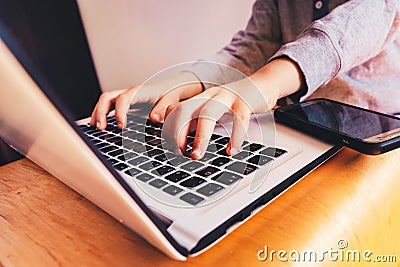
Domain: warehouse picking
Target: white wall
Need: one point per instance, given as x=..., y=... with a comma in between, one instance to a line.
x=132, y=39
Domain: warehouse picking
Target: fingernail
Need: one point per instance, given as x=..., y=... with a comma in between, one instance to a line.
x=196, y=152
x=233, y=151
x=156, y=117
x=98, y=124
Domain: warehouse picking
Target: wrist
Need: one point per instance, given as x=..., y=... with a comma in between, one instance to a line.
x=281, y=77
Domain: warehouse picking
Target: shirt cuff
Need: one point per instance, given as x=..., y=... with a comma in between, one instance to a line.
x=317, y=58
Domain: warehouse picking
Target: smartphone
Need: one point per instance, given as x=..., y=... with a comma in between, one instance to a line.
x=366, y=131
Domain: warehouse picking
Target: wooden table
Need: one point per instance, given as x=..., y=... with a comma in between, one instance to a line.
x=352, y=197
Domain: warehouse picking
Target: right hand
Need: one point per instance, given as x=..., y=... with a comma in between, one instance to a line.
x=184, y=85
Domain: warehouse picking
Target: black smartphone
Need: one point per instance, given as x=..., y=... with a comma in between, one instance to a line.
x=363, y=130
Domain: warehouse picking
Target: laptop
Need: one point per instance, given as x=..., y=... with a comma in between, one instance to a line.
x=182, y=207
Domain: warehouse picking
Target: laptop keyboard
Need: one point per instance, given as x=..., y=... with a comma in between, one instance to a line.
x=139, y=151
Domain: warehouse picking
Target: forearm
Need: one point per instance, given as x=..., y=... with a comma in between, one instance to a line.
x=279, y=78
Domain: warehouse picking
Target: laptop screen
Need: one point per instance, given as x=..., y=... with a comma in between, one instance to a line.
x=48, y=38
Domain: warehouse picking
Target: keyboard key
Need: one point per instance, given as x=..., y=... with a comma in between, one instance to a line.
x=127, y=156
x=241, y=168
x=215, y=136
x=163, y=170
x=207, y=172
x=207, y=156
x=148, y=138
x=154, y=124
x=136, y=118
x=210, y=189
x=178, y=160
x=132, y=172
x=108, y=149
x=166, y=156
x=112, y=161
x=117, y=152
x=220, y=161
x=129, y=144
x=172, y=190
x=192, y=182
x=113, y=129
x=116, y=140
x=214, y=147
x=177, y=176
x=162, y=146
x=193, y=165
x=140, y=149
x=273, y=152
x=259, y=160
x=101, y=134
x=227, y=178
x=132, y=135
x=192, y=199
x=222, y=141
x=155, y=142
x=101, y=145
x=158, y=183
x=222, y=152
x=153, y=132
x=242, y=155
x=189, y=140
x=253, y=147
x=95, y=141
x=132, y=126
x=144, y=177
x=121, y=166
x=154, y=152
x=138, y=160
x=187, y=152
x=150, y=165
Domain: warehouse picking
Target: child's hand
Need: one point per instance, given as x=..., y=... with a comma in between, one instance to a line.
x=164, y=93
x=256, y=94
x=241, y=98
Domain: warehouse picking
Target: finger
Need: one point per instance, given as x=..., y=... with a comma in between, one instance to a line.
x=205, y=128
x=178, y=119
x=102, y=108
x=193, y=125
x=211, y=111
x=92, y=121
x=241, y=118
x=158, y=113
x=122, y=104
x=176, y=127
x=169, y=110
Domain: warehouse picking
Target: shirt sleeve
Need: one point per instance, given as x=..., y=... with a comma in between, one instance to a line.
x=350, y=35
x=248, y=50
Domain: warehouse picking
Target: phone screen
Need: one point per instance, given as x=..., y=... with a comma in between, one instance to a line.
x=351, y=121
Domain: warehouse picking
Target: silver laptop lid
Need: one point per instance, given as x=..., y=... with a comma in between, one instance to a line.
x=32, y=125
